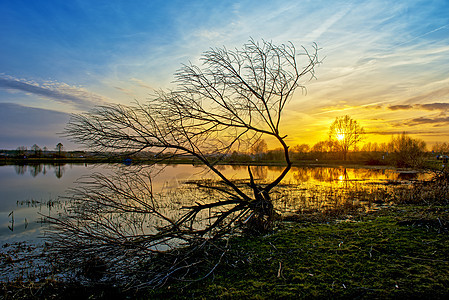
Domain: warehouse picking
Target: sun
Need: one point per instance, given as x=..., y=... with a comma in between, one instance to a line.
x=340, y=136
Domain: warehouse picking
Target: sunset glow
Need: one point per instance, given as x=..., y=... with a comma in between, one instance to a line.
x=385, y=64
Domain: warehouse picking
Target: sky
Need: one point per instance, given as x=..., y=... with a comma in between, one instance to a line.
x=384, y=63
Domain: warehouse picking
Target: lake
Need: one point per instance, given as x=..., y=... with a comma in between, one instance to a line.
x=29, y=192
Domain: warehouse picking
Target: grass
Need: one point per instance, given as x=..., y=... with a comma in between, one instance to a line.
x=387, y=254
x=399, y=252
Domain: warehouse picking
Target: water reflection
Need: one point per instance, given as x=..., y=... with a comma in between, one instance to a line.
x=59, y=171
x=297, y=174
x=20, y=169
x=315, y=174
x=36, y=169
x=303, y=188
x=123, y=205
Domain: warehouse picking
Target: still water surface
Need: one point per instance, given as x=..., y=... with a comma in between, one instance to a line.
x=29, y=192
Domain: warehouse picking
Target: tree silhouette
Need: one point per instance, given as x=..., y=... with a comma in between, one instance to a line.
x=21, y=151
x=59, y=148
x=406, y=151
x=37, y=150
x=238, y=96
x=259, y=148
x=303, y=148
x=233, y=100
x=345, y=133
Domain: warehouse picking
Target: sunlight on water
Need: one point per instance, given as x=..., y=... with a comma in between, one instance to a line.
x=31, y=192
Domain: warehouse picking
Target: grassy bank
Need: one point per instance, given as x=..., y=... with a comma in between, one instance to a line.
x=399, y=252
x=356, y=162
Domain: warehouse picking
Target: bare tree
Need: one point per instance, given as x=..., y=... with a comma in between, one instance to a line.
x=346, y=133
x=237, y=96
x=441, y=148
x=406, y=151
x=258, y=149
x=322, y=146
x=37, y=150
x=303, y=148
x=59, y=148
x=234, y=99
x=21, y=151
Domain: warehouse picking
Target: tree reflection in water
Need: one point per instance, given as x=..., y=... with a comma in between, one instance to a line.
x=36, y=169
x=120, y=215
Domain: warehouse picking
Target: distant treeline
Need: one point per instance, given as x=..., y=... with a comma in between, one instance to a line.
x=401, y=151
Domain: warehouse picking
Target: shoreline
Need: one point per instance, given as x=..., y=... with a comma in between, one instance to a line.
x=115, y=160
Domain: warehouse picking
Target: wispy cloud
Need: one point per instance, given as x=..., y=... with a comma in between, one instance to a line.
x=437, y=106
x=400, y=107
x=436, y=122
x=142, y=84
x=387, y=56
x=428, y=106
x=60, y=92
x=425, y=34
x=395, y=132
x=125, y=91
x=432, y=95
x=326, y=25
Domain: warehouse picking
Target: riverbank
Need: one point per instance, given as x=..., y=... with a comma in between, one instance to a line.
x=396, y=252
x=399, y=252
x=120, y=160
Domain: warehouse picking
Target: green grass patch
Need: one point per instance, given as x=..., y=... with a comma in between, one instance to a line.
x=398, y=252
x=390, y=254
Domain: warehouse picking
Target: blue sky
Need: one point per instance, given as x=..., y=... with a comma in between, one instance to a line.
x=386, y=63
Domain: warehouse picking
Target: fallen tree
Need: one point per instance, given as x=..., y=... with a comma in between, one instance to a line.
x=116, y=222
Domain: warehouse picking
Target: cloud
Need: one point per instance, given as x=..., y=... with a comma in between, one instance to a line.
x=436, y=122
x=441, y=106
x=60, y=92
x=395, y=132
x=326, y=25
x=125, y=91
x=435, y=94
x=423, y=35
x=435, y=106
x=208, y=34
x=400, y=107
x=141, y=83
